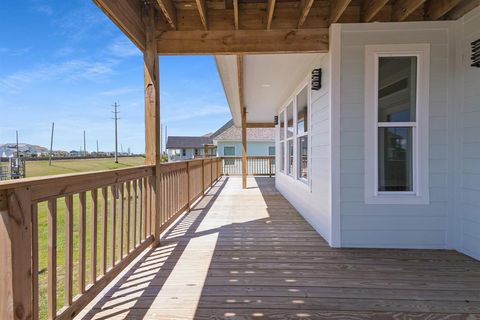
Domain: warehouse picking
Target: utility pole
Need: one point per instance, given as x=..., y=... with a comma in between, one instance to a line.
x=51, y=145
x=116, y=130
x=84, y=144
x=97, y=148
x=121, y=148
x=161, y=139
x=18, y=151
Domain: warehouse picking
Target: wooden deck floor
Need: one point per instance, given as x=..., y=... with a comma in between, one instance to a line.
x=249, y=255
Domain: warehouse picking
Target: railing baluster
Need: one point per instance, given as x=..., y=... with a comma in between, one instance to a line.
x=93, y=232
x=104, y=229
x=129, y=206
x=35, y=259
x=140, y=211
x=147, y=209
x=113, y=211
x=122, y=218
x=135, y=212
x=82, y=241
x=68, y=250
x=52, y=259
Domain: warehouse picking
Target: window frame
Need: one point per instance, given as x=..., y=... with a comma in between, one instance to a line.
x=420, y=133
x=230, y=146
x=274, y=151
x=285, y=157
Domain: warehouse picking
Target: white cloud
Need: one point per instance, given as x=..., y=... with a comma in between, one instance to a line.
x=68, y=70
x=14, y=52
x=119, y=91
x=44, y=9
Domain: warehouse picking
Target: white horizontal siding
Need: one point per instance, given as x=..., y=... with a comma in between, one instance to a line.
x=392, y=226
x=468, y=206
x=314, y=203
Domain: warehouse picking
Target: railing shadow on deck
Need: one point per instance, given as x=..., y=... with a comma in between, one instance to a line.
x=148, y=269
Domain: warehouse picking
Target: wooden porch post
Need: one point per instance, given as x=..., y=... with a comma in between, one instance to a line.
x=152, y=113
x=16, y=290
x=243, y=112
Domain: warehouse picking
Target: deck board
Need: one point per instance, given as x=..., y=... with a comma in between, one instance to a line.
x=248, y=254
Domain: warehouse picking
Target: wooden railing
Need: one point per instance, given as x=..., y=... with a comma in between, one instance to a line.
x=65, y=238
x=256, y=166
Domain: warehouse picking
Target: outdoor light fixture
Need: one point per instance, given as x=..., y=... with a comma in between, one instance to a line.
x=275, y=120
x=476, y=53
x=317, y=79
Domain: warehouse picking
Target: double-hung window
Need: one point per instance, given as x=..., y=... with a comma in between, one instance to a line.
x=294, y=140
x=396, y=113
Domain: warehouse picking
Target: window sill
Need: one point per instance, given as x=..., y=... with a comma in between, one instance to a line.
x=410, y=199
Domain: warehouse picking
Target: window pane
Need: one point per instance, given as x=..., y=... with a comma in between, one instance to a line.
x=290, y=120
x=290, y=157
x=271, y=151
x=282, y=126
x=282, y=156
x=397, y=89
x=303, y=157
x=395, y=159
x=302, y=102
x=228, y=151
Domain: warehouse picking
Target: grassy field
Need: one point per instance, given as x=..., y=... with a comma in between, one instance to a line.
x=41, y=168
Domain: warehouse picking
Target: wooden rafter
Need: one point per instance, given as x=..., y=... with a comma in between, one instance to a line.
x=243, y=41
x=202, y=11
x=370, y=8
x=169, y=11
x=438, y=8
x=127, y=15
x=464, y=7
x=260, y=125
x=235, y=13
x=402, y=9
x=270, y=11
x=337, y=7
x=306, y=5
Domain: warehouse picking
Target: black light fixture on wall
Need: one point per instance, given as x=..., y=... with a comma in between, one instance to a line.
x=476, y=53
x=275, y=120
x=317, y=79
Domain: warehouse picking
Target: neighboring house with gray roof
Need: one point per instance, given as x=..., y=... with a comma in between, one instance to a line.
x=227, y=141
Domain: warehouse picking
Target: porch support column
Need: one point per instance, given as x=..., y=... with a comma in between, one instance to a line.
x=244, y=148
x=152, y=114
x=243, y=112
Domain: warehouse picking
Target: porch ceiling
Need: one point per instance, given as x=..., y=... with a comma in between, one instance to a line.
x=268, y=81
x=263, y=26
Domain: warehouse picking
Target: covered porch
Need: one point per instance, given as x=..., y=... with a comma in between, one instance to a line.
x=242, y=254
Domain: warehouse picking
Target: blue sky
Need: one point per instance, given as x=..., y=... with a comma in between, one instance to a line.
x=64, y=61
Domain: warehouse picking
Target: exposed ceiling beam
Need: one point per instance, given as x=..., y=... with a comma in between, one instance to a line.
x=127, y=15
x=402, y=9
x=260, y=125
x=240, y=82
x=243, y=41
x=270, y=11
x=202, y=11
x=370, y=8
x=169, y=12
x=235, y=13
x=337, y=7
x=438, y=8
x=464, y=7
x=306, y=5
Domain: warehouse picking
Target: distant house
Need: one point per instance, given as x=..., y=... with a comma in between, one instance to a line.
x=228, y=139
x=225, y=142
x=186, y=148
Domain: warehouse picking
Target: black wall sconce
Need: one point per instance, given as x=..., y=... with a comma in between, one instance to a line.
x=317, y=79
x=275, y=120
x=476, y=53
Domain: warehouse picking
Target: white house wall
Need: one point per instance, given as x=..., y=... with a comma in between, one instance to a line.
x=254, y=148
x=314, y=203
x=468, y=168
x=380, y=225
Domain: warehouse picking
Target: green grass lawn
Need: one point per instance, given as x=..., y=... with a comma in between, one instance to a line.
x=41, y=168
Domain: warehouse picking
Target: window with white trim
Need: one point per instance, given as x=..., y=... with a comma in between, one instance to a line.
x=294, y=140
x=396, y=100
x=271, y=150
x=229, y=151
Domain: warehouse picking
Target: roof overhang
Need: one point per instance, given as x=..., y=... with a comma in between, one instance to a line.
x=269, y=79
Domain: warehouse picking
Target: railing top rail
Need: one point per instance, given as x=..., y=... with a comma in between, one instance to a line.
x=36, y=181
